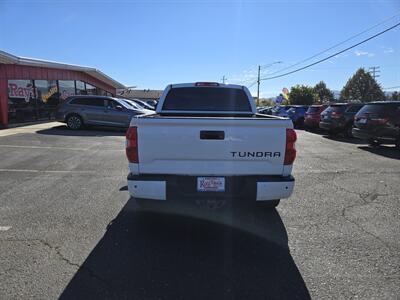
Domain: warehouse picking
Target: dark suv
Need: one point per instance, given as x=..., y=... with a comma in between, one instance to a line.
x=379, y=122
x=339, y=118
x=313, y=116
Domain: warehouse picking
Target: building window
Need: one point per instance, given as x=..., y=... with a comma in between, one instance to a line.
x=67, y=88
x=90, y=89
x=101, y=92
x=21, y=101
x=80, y=88
x=47, y=97
x=47, y=92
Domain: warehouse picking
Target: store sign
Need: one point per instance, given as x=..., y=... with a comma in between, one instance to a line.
x=16, y=91
x=50, y=93
x=279, y=99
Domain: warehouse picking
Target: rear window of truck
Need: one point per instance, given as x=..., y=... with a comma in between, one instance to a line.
x=206, y=99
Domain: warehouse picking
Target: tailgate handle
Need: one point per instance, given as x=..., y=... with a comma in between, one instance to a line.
x=212, y=135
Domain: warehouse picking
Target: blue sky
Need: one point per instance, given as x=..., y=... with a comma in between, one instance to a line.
x=152, y=43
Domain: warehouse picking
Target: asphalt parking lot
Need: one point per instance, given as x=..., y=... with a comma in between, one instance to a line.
x=68, y=228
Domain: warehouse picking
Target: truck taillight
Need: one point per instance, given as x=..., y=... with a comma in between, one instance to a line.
x=290, y=152
x=132, y=145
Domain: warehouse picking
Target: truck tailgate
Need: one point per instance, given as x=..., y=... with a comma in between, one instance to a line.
x=227, y=146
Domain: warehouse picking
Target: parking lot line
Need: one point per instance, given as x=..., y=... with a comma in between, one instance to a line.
x=47, y=171
x=29, y=128
x=44, y=147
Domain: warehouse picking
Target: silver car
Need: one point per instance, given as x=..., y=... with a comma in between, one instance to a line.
x=78, y=111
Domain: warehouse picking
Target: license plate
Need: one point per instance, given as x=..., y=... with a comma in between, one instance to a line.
x=211, y=184
x=362, y=121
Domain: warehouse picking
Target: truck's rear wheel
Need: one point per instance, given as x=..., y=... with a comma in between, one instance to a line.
x=270, y=204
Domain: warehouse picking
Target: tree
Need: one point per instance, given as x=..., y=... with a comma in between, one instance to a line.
x=363, y=87
x=324, y=94
x=266, y=102
x=302, y=94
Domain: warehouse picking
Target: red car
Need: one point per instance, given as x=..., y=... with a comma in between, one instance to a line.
x=312, y=116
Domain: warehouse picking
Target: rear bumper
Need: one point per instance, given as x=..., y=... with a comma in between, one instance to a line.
x=311, y=123
x=381, y=136
x=331, y=126
x=361, y=134
x=170, y=187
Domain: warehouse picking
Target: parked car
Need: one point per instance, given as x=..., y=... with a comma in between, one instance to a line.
x=378, y=122
x=143, y=104
x=153, y=103
x=77, y=111
x=338, y=118
x=313, y=116
x=200, y=157
x=297, y=114
x=134, y=105
x=267, y=110
x=280, y=111
x=259, y=108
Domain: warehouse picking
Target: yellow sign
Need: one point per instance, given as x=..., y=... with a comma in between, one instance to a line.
x=50, y=93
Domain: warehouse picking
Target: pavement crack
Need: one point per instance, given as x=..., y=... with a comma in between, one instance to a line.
x=62, y=258
x=59, y=254
x=372, y=197
x=366, y=198
x=69, y=262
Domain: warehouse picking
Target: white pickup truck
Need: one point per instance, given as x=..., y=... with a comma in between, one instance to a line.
x=207, y=141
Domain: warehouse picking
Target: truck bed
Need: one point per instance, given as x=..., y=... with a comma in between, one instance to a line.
x=210, y=145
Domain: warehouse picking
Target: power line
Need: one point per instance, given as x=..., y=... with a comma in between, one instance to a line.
x=251, y=80
x=392, y=87
x=336, y=45
x=252, y=84
x=337, y=53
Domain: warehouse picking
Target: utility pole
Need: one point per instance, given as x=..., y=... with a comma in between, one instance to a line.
x=223, y=79
x=259, y=78
x=258, y=85
x=374, y=72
